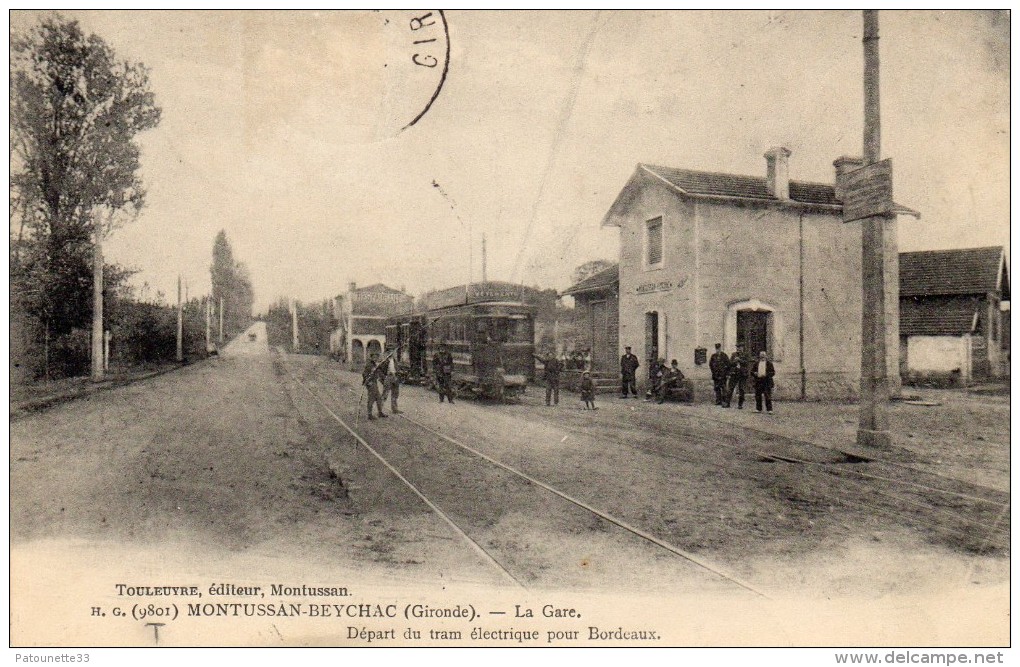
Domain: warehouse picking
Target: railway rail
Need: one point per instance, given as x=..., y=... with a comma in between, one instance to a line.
x=978, y=513
x=943, y=507
x=487, y=554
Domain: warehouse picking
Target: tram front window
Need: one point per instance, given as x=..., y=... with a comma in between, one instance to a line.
x=511, y=330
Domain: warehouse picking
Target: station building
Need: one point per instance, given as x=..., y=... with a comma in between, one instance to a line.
x=362, y=313
x=710, y=258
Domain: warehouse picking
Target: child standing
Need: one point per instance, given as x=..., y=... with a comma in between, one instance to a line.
x=588, y=391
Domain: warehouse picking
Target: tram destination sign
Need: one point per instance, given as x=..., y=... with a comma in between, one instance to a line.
x=474, y=293
x=868, y=192
x=494, y=291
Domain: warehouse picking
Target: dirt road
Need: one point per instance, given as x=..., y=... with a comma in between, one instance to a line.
x=240, y=467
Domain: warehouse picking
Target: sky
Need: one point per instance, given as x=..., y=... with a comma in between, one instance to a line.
x=285, y=130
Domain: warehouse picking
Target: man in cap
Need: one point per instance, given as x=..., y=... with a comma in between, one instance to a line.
x=442, y=367
x=739, y=367
x=551, y=374
x=719, y=364
x=370, y=377
x=628, y=372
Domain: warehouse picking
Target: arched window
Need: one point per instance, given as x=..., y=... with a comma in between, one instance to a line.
x=357, y=352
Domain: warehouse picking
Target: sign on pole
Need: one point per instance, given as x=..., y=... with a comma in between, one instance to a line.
x=868, y=191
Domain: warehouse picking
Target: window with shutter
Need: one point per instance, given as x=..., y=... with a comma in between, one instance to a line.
x=654, y=242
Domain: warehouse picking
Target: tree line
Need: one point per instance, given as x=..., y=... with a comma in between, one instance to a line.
x=231, y=288
x=76, y=110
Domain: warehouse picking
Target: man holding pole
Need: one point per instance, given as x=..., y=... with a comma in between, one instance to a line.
x=370, y=377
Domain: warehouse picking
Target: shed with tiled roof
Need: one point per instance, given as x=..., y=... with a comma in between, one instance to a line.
x=951, y=312
x=597, y=320
x=959, y=271
x=607, y=278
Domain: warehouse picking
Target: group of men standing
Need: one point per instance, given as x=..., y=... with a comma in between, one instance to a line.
x=381, y=373
x=381, y=380
x=731, y=373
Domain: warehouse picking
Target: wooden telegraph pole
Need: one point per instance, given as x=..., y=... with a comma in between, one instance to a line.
x=293, y=315
x=875, y=189
x=208, y=324
x=180, y=323
x=484, y=274
x=97, y=307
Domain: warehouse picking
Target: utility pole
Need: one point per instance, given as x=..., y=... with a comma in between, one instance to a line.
x=221, y=319
x=874, y=422
x=483, y=258
x=180, y=323
x=293, y=316
x=208, y=324
x=97, y=306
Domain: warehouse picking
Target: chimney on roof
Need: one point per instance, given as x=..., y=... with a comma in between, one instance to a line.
x=351, y=286
x=777, y=178
x=844, y=165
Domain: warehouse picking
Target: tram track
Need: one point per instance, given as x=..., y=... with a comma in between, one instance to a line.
x=807, y=486
x=395, y=460
x=966, y=516
x=988, y=508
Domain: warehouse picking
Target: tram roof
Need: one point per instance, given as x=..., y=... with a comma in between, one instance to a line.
x=474, y=294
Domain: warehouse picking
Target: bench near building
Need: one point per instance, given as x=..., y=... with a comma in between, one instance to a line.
x=711, y=257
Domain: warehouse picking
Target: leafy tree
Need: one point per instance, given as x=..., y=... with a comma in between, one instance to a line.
x=315, y=322
x=231, y=282
x=589, y=269
x=75, y=112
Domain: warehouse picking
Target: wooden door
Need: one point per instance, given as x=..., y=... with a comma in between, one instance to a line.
x=600, y=357
x=753, y=331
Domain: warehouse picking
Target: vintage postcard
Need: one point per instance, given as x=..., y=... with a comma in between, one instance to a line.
x=449, y=328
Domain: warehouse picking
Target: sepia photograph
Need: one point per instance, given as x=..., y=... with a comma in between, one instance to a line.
x=511, y=329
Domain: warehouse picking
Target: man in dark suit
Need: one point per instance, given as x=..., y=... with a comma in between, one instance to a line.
x=763, y=371
x=628, y=372
x=442, y=366
x=719, y=364
x=551, y=375
x=371, y=376
x=671, y=379
x=739, y=366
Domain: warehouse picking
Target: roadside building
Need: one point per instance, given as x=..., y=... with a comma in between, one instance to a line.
x=951, y=319
x=596, y=331
x=362, y=313
x=596, y=319
x=711, y=258
x=1004, y=364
